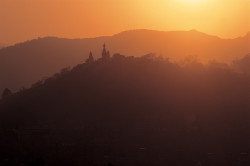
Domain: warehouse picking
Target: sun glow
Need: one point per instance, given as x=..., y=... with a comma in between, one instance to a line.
x=194, y=2
x=91, y=18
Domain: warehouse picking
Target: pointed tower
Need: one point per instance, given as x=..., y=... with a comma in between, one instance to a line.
x=104, y=52
x=90, y=59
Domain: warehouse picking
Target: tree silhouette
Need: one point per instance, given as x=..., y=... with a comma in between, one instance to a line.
x=6, y=93
x=118, y=57
x=138, y=110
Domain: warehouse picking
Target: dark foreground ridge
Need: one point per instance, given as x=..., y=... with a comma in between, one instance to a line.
x=42, y=57
x=127, y=111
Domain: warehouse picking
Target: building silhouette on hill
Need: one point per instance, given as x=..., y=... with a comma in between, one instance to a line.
x=90, y=59
x=105, y=53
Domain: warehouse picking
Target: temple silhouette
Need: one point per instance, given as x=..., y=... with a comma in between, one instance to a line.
x=105, y=54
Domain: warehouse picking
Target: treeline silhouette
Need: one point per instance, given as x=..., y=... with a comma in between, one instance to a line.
x=129, y=111
x=24, y=63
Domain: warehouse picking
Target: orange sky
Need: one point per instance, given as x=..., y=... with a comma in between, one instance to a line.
x=27, y=19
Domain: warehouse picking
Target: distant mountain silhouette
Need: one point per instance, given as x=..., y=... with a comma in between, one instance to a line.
x=2, y=45
x=129, y=111
x=23, y=64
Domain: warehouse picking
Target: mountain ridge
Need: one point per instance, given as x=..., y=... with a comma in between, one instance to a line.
x=247, y=34
x=42, y=57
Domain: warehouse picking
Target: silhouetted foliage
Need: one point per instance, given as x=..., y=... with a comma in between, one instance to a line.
x=242, y=65
x=42, y=57
x=6, y=93
x=63, y=72
x=118, y=57
x=130, y=111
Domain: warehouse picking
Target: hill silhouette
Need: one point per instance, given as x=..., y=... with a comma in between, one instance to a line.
x=130, y=111
x=43, y=57
x=2, y=45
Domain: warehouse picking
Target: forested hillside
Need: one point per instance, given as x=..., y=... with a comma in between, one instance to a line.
x=130, y=111
x=24, y=63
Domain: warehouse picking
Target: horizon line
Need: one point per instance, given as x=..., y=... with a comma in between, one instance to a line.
x=117, y=33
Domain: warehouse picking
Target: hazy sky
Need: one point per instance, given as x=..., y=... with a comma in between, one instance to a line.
x=27, y=19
